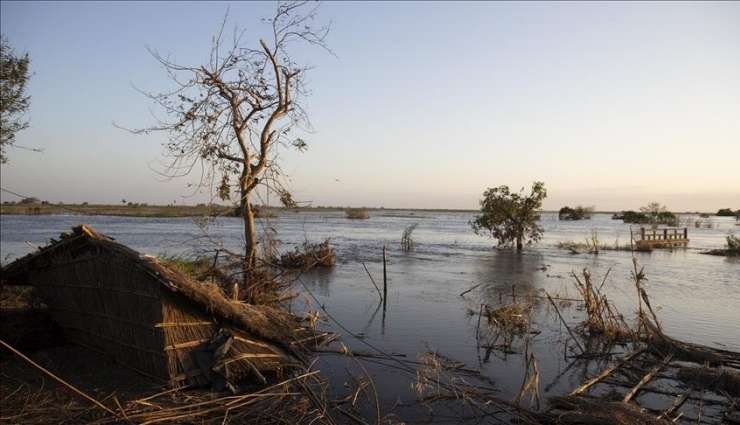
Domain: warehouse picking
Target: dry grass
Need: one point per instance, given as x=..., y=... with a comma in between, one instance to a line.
x=602, y=318
x=512, y=318
x=28, y=397
x=18, y=297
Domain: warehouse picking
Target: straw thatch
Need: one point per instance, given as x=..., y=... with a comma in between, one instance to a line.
x=154, y=319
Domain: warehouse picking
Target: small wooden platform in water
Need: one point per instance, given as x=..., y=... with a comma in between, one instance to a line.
x=648, y=239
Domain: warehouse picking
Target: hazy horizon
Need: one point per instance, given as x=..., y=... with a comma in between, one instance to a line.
x=424, y=106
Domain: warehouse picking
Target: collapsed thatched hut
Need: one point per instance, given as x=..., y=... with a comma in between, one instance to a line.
x=153, y=319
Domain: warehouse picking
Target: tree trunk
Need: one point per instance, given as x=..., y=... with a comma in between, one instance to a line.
x=250, y=239
x=519, y=243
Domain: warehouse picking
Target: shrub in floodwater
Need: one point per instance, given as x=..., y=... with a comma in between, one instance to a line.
x=511, y=217
x=634, y=217
x=357, y=213
x=577, y=213
x=653, y=213
x=309, y=255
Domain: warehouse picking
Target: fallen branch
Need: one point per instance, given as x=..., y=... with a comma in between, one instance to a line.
x=465, y=292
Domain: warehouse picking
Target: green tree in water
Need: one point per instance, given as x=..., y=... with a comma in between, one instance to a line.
x=511, y=218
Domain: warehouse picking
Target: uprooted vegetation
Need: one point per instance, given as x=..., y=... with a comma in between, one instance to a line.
x=645, y=376
x=309, y=255
x=655, y=357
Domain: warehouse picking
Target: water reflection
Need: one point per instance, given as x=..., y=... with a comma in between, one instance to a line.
x=506, y=272
x=320, y=280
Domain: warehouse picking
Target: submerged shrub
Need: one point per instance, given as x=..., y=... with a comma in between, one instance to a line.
x=577, y=213
x=651, y=214
x=357, y=213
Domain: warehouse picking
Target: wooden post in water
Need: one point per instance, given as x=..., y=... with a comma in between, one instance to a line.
x=385, y=279
x=513, y=293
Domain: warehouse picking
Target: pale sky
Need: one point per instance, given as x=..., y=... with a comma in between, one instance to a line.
x=425, y=104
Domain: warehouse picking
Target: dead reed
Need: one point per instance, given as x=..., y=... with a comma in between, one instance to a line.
x=407, y=242
x=602, y=318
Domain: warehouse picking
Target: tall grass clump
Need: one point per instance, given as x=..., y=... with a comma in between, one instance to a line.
x=357, y=213
x=602, y=318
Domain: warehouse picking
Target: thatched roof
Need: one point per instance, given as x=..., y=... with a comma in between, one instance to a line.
x=268, y=323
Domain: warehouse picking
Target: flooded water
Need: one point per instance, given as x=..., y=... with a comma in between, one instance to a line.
x=696, y=296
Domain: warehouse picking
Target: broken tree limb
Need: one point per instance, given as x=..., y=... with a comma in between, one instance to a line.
x=466, y=291
x=647, y=378
x=606, y=372
x=680, y=400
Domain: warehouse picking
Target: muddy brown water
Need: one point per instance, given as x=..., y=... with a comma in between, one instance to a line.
x=696, y=296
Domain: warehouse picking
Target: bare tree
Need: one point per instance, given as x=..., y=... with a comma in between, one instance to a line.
x=230, y=114
x=14, y=102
